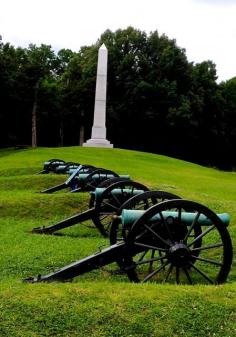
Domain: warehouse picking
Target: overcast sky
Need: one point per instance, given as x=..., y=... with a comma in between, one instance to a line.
x=205, y=28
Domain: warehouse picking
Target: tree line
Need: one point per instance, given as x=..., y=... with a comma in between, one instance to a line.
x=157, y=100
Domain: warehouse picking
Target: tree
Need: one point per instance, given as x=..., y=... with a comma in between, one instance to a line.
x=156, y=100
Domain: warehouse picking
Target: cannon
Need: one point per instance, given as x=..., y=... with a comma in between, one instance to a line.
x=87, y=182
x=50, y=165
x=72, y=181
x=85, y=179
x=162, y=245
x=60, y=166
x=70, y=167
x=104, y=202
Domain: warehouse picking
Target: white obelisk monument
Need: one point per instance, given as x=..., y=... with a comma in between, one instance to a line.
x=98, y=138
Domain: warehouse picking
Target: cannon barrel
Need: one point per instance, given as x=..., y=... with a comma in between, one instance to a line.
x=97, y=176
x=66, y=167
x=60, y=168
x=116, y=192
x=129, y=217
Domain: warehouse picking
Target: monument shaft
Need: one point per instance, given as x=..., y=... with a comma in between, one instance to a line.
x=98, y=138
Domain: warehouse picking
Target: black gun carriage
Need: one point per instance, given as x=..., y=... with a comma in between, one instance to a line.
x=176, y=240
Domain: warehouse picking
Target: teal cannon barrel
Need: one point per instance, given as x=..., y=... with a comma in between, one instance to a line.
x=64, y=169
x=60, y=169
x=84, y=176
x=98, y=192
x=129, y=217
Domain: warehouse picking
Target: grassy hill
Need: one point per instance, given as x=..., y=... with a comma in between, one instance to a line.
x=99, y=303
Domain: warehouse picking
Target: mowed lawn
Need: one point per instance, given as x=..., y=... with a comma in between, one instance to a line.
x=100, y=303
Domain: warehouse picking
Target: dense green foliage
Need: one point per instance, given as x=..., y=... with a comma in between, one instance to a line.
x=98, y=303
x=157, y=100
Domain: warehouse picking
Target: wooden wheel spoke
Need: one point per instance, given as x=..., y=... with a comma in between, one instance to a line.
x=116, y=199
x=110, y=205
x=201, y=273
x=192, y=226
x=177, y=274
x=216, y=263
x=90, y=185
x=155, y=271
x=132, y=190
x=142, y=255
x=179, y=215
x=103, y=217
x=216, y=245
x=168, y=273
x=151, y=260
x=167, y=227
x=187, y=274
x=105, y=213
x=201, y=235
x=149, y=246
x=157, y=235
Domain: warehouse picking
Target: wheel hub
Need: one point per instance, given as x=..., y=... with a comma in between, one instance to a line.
x=179, y=255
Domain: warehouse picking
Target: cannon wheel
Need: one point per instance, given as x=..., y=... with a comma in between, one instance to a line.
x=182, y=259
x=90, y=183
x=140, y=202
x=108, y=204
x=105, y=184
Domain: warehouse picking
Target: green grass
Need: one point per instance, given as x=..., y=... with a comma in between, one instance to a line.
x=100, y=303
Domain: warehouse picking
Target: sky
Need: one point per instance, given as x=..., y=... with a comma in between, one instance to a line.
x=206, y=29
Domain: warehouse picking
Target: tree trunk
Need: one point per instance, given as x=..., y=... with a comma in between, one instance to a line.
x=81, y=135
x=34, y=116
x=61, y=133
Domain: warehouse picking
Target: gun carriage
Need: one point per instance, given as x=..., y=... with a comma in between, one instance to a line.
x=177, y=240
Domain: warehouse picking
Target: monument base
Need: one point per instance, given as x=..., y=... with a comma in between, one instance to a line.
x=98, y=142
